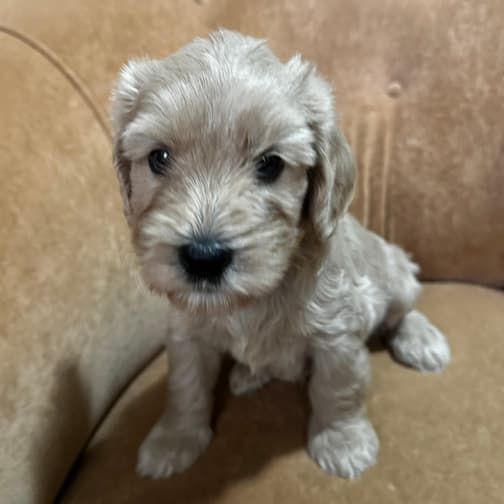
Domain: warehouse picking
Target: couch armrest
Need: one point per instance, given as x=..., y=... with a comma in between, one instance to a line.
x=75, y=326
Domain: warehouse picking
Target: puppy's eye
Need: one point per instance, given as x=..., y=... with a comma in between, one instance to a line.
x=269, y=167
x=159, y=161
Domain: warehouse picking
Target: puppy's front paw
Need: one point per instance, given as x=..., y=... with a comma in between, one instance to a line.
x=345, y=449
x=243, y=381
x=419, y=344
x=164, y=453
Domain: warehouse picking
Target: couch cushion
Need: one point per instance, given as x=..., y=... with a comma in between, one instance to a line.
x=440, y=434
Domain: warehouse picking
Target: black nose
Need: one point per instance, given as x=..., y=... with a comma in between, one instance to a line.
x=205, y=259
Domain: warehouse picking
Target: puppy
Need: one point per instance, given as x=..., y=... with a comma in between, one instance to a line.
x=236, y=183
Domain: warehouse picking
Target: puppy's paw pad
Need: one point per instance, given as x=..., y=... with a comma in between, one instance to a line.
x=347, y=449
x=243, y=381
x=163, y=453
x=420, y=345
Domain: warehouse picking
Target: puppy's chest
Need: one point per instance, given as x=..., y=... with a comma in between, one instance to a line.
x=262, y=338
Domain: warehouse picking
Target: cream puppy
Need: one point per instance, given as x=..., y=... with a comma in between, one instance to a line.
x=236, y=183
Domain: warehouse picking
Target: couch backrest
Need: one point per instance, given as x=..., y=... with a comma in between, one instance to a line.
x=418, y=86
x=419, y=91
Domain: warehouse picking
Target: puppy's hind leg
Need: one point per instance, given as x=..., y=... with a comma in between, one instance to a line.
x=413, y=340
x=419, y=344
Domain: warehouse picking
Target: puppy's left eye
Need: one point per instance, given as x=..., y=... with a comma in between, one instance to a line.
x=269, y=167
x=159, y=161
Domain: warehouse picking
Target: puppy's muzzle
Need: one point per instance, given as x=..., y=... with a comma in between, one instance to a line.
x=205, y=259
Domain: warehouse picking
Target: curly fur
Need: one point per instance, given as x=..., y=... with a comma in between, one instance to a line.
x=307, y=281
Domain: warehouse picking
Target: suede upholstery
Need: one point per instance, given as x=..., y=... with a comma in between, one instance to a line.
x=419, y=90
x=438, y=433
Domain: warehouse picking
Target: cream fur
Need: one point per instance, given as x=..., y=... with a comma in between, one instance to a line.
x=308, y=283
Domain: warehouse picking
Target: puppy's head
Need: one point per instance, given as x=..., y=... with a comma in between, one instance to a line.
x=228, y=161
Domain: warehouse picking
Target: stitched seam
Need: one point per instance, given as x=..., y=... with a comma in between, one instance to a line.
x=368, y=155
x=69, y=75
x=386, y=188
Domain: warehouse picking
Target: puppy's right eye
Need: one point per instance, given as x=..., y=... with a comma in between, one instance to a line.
x=159, y=161
x=269, y=167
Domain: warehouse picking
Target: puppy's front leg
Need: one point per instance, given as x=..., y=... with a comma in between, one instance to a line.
x=183, y=432
x=341, y=439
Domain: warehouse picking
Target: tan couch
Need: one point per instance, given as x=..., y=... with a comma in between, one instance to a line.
x=419, y=87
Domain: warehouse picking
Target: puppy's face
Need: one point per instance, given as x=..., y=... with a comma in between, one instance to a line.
x=214, y=148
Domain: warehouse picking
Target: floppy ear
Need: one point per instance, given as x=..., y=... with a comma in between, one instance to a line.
x=332, y=178
x=132, y=80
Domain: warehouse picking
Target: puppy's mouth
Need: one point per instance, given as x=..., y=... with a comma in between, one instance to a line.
x=214, y=287
x=192, y=295
x=208, y=301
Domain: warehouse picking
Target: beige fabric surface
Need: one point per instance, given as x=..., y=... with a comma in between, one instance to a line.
x=74, y=325
x=418, y=85
x=419, y=89
x=440, y=434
